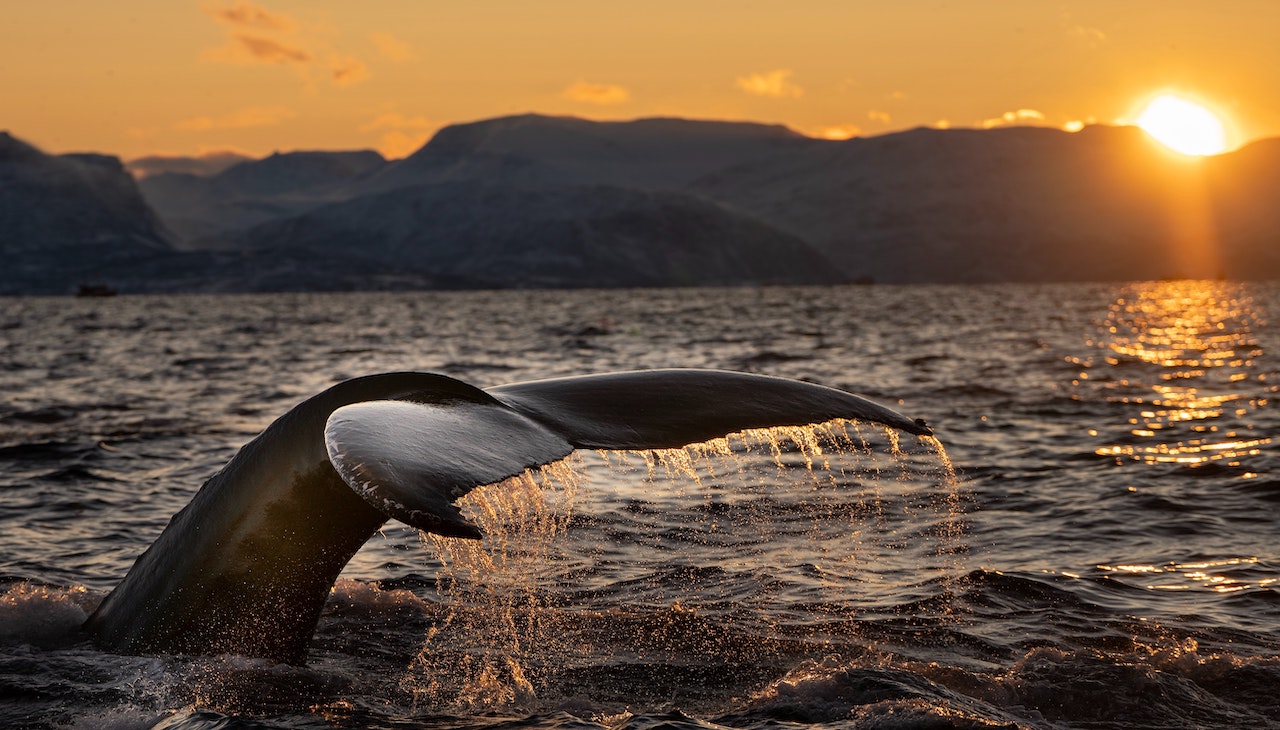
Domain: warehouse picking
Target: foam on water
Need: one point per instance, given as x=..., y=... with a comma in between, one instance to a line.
x=42, y=615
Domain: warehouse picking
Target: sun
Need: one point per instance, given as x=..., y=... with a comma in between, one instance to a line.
x=1183, y=126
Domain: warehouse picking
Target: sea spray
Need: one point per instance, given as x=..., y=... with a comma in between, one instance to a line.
x=808, y=512
x=949, y=503
x=477, y=656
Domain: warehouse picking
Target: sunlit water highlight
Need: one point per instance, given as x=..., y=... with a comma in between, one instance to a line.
x=1070, y=576
x=1200, y=337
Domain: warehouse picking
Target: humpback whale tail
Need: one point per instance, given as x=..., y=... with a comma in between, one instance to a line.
x=246, y=566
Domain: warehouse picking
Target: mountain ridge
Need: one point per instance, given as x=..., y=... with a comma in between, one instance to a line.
x=917, y=206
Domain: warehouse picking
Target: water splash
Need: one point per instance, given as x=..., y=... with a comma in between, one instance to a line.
x=475, y=657
x=852, y=511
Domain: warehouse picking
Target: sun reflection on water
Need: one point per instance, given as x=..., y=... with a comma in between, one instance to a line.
x=1220, y=576
x=1183, y=353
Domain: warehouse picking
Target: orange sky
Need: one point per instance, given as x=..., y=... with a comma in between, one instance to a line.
x=136, y=77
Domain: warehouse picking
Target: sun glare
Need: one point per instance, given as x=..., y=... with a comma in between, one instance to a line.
x=1183, y=126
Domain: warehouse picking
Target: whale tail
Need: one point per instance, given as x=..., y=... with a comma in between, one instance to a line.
x=411, y=460
x=245, y=568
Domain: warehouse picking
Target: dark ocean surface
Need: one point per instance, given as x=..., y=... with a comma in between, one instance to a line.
x=1106, y=554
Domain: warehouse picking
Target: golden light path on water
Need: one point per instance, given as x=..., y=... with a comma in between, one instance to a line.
x=499, y=592
x=1183, y=355
x=1199, y=336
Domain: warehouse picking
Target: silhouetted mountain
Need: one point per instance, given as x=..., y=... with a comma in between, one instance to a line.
x=201, y=209
x=532, y=149
x=64, y=219
x=491, y=235
x=550, y=201
x=203, y=166
x=1014, y=204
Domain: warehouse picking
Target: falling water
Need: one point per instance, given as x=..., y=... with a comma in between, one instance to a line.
x=847, y=498
x=492, y=592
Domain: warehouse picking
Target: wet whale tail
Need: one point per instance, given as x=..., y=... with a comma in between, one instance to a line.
x=246, y=566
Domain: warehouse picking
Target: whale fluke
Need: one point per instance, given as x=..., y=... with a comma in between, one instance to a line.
x=667, y=409
x=412, y=460
x=246, y=566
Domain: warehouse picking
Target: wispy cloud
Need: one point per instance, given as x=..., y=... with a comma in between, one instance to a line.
x=347, y=70
x=1090, y=34
x=240, y=119
x=602, y=94
x=246, y=15
x=392, y=48
x=1020, y=116
x=395, y=120
x=266, y=50
x=775, y=84
x=257, y=36
x=880, y=117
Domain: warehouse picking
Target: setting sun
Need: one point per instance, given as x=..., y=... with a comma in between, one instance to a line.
x=1183, y=126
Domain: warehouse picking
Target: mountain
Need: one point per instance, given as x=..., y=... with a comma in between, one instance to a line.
x=201, y=209
x=553, y=201
x=493, y=235
x=531, y=149
x=1015, y=204
x=65, y=219
x=203, y=165
x=924, y=205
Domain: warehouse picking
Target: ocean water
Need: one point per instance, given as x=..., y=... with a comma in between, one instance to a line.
x=1101, y=551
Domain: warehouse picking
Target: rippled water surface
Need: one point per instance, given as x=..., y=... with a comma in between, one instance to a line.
x=1104, y=557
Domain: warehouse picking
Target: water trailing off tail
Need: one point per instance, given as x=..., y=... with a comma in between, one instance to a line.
x=245, y=568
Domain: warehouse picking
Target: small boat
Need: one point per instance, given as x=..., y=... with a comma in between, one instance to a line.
x=95, y=290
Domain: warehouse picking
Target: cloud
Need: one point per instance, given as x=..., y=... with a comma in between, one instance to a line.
x=878, y=116
x=396, y=120
x=840, y=131
x=1075, y=125
x=401, y=135
x=775, y=84
x=392, y=48
x=602, y=94
x=247, y=15
x=269, y=51
x=347, y=70
x=396, y=144
x=256, y=36
x=1014, y=117
x=241, y=119
x=1089, y=33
